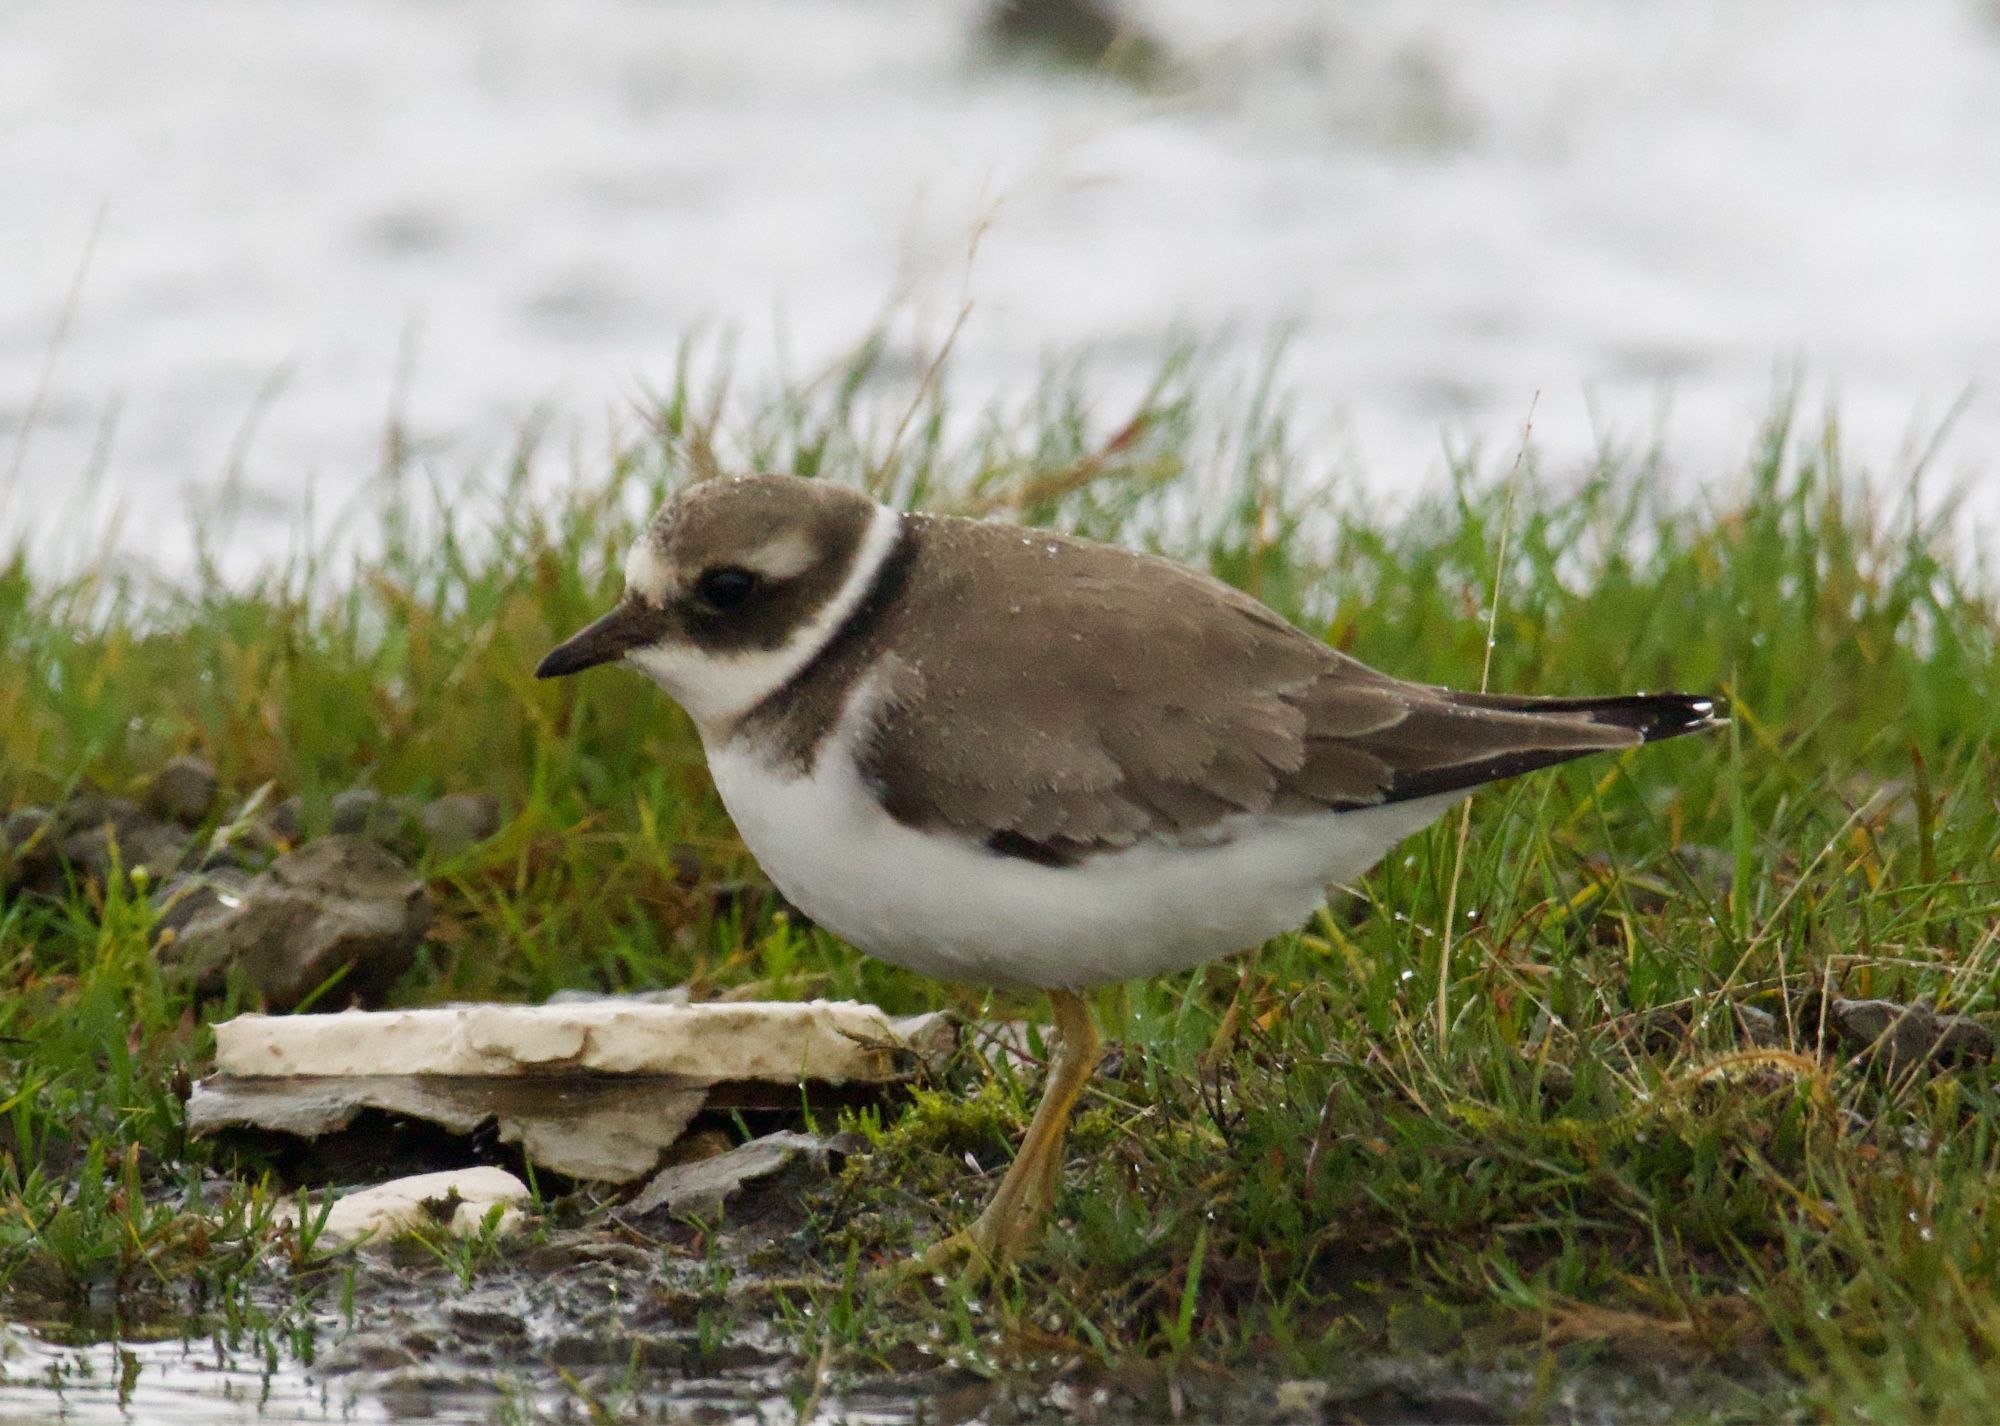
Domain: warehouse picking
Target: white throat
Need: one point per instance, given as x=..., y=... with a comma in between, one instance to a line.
x=718, y=689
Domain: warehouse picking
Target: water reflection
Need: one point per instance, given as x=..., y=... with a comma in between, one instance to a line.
x=472, y=213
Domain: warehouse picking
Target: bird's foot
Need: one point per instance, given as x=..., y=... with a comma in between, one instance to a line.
x=959, y=1255
x=1010, y=1223
x=999, y=1235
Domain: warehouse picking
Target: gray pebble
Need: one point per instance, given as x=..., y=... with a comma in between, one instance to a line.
x=183, y=791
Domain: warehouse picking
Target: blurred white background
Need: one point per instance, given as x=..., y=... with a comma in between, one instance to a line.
x=1650, y=213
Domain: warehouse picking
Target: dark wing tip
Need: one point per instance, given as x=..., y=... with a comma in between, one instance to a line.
x=1652, y=716
x=1658, y=716
x=1548, y=731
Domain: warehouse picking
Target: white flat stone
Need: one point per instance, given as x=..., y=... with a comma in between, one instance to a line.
x=596, y=1127
x=834, y=1042
x=596, y=1090
x=414, y=1204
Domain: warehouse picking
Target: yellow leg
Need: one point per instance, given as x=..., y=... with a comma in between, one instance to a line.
x=1013, y=1214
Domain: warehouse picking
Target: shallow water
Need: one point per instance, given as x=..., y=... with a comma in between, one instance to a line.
x=196, y=1383
x=166, y=1383
x=307, y=217
x=581, y=1326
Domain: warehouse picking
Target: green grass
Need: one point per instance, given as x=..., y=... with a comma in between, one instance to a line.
x=1288, y=1169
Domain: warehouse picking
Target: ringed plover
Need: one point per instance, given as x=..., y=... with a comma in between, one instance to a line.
x=1008, y=757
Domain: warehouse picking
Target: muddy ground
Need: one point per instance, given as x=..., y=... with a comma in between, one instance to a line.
x=592, y=1314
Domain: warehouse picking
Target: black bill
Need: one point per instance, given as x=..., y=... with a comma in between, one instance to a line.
x=625, y=628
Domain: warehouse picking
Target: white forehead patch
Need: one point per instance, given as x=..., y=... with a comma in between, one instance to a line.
x=645, y=571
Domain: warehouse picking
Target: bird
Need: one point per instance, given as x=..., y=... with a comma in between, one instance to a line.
x=1008, y=757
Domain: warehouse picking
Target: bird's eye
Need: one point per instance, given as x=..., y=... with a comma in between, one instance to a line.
x=725, y=587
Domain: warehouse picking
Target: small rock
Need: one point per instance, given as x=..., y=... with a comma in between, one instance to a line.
x=338, y=904
x=189, y=894
x=93, y=827
x=154, y=848
x=183, y=791
x=1900, y=1036
x=395, y=822
x=353, y=809
x=455, y=1201
x=1758, y=1027
x=460, y=820
x=702, y=1187
x=86, y=811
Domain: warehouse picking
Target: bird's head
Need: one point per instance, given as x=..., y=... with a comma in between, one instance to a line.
x=733, y=587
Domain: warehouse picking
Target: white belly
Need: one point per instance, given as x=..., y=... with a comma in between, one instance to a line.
x=950, y=908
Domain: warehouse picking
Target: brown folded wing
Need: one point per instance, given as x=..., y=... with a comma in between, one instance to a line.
x=1055, y=699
